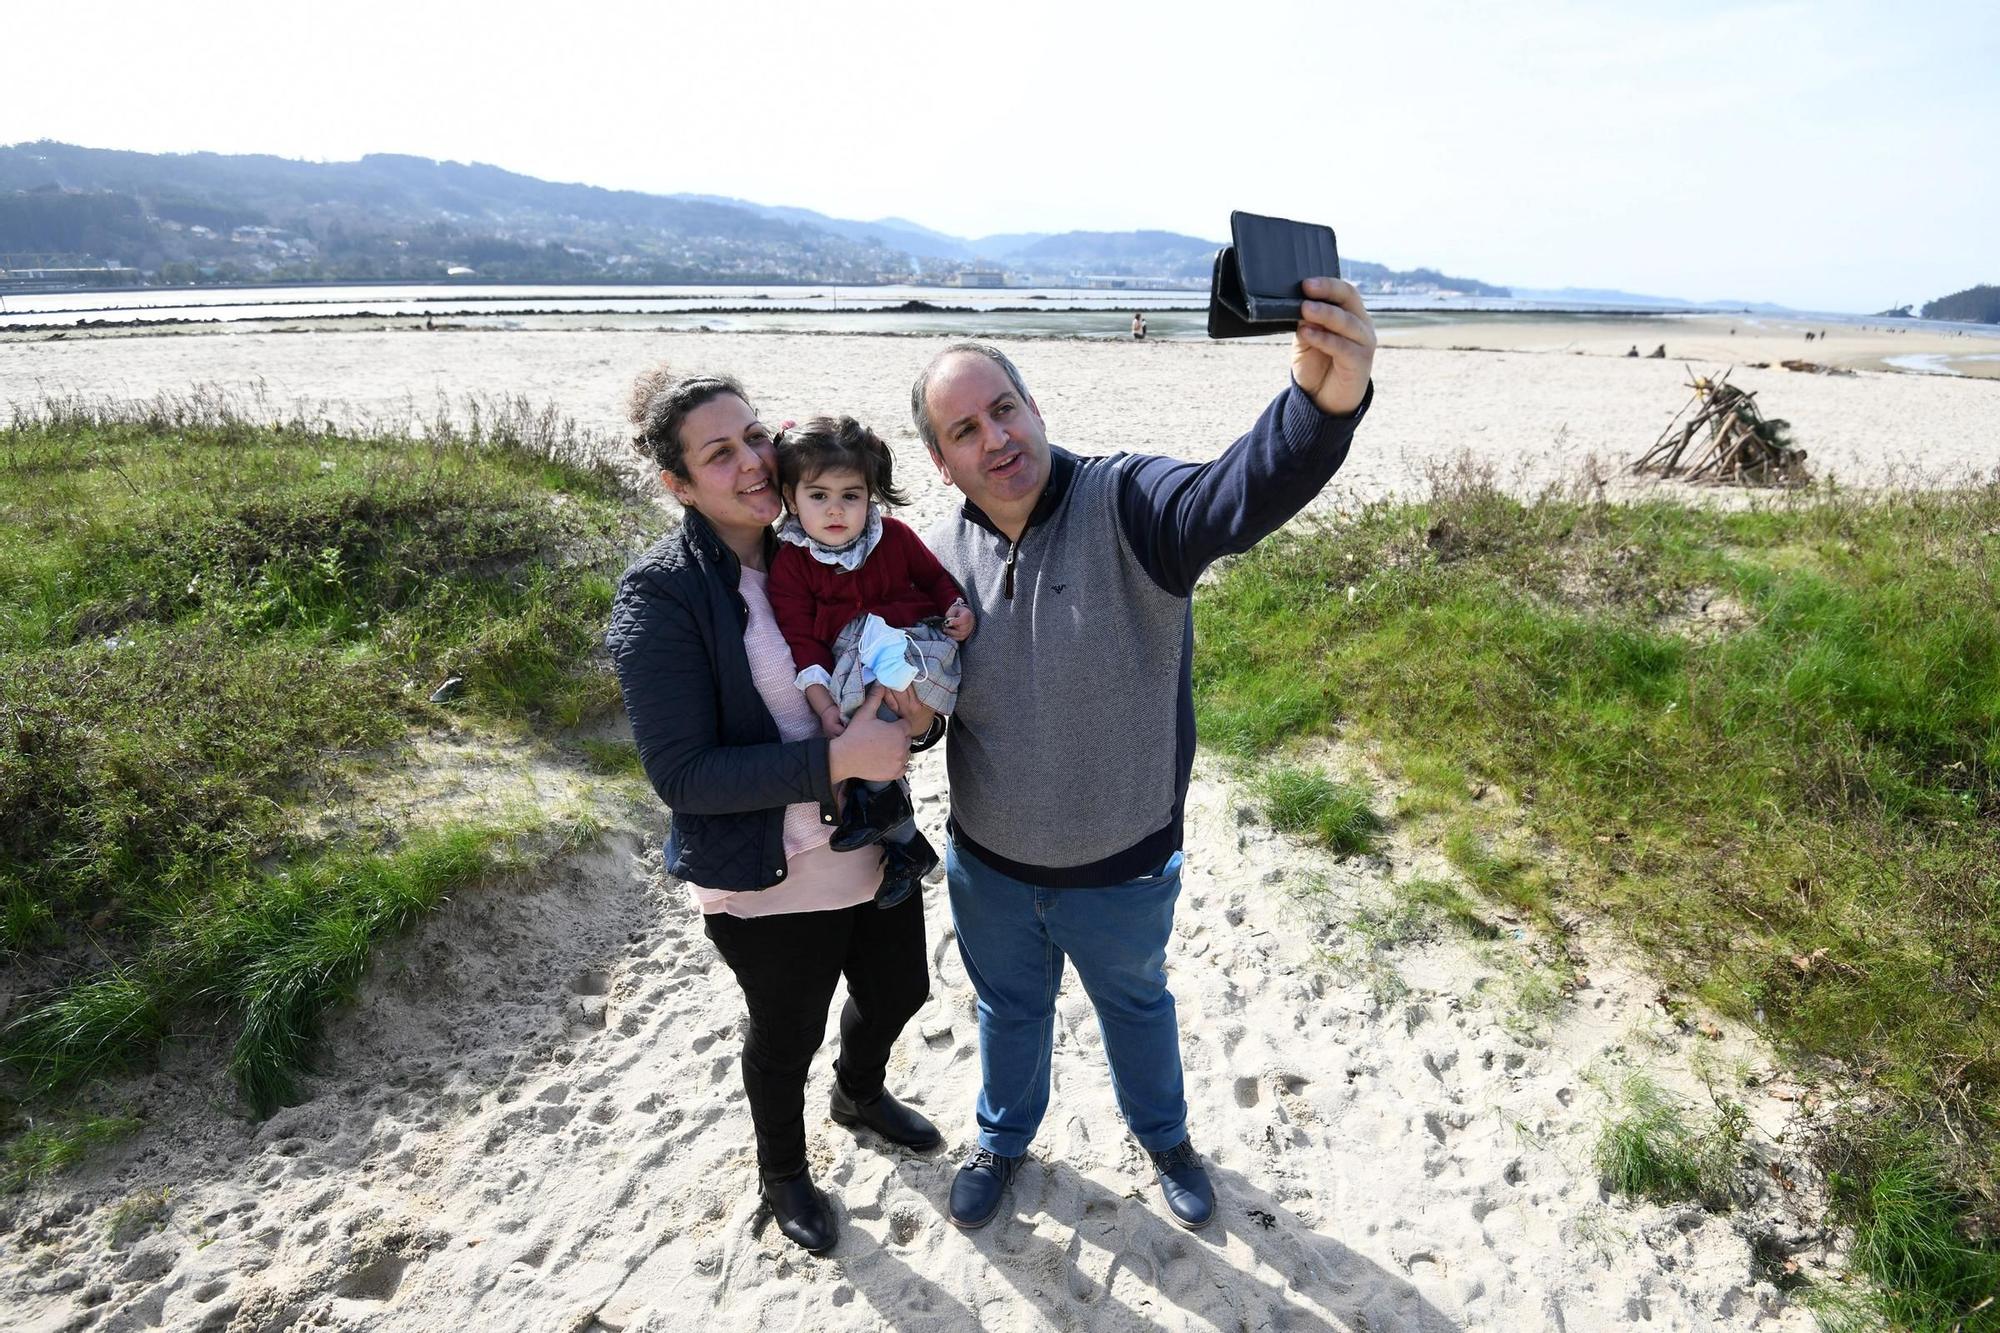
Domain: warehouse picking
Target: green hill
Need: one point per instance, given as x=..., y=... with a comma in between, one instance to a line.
x=1974, y=305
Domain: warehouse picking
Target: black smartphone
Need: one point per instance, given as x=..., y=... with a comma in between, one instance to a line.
x=1255, y=288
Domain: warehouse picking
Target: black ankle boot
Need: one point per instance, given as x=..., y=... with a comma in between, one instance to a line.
x=904, y=865
x=869, y=814
x=888, y=1117
x=801, y=1212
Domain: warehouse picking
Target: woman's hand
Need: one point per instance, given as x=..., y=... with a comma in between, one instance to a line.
x=870, y=748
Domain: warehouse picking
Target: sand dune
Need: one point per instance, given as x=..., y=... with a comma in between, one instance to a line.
x=533, y=1121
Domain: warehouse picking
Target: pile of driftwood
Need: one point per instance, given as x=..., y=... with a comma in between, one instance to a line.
x=1741, y=446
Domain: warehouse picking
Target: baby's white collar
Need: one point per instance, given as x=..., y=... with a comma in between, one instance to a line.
x=849, y=557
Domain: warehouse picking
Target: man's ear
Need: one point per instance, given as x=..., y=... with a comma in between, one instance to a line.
x=1036, y=409
x=944, y=470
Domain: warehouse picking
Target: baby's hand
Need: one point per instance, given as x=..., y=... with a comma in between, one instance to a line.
x=831, y=722
x=958, y=622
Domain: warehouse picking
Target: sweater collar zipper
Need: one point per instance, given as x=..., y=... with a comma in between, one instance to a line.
x=1007, y=578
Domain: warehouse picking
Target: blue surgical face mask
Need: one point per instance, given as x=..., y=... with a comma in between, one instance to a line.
x=885, y=654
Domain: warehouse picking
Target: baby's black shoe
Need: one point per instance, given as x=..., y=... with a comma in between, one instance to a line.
x=869, y=814
x=904, y=865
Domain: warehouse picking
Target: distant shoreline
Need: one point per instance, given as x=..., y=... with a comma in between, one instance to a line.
x=1837, y=344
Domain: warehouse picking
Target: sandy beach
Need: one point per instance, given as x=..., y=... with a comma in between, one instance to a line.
x=1720, y=340
x=533, y=1119
x=1532, y=411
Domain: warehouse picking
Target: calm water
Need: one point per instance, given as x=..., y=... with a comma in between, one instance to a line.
x=1045, y=311
x=1025, y=312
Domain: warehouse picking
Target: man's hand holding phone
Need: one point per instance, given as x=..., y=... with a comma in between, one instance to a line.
x=1333, y=348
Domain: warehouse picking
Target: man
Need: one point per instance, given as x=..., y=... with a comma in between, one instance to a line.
x=1071, y=748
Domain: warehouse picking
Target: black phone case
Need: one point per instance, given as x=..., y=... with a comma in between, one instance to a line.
x=1254, y=290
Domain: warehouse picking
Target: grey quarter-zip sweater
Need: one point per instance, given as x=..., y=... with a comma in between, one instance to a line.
x=1071, y=748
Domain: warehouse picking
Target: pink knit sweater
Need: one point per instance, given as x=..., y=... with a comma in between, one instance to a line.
x=817, y=878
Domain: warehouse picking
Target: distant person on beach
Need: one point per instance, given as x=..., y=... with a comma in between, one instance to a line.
x=860, y=598
x=731, y=746
x=1073, y=741
x=1138, y=326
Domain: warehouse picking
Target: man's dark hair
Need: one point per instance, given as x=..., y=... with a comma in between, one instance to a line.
x=831, y=444
x=920, y=408
x=659, y=405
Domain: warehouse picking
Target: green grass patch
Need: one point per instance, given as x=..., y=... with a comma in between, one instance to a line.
x=1446, y=901
x=618, y=759
x=1765, y=742
x=1437, y=786
x=1414, y=909
x=1915, y=1234
x=1519, y=881
x=49, y=1145
x=1656, y=1147
x=1312, y=805
x=202, y=618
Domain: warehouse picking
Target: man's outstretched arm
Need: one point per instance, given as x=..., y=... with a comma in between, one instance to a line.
x=1181, y=516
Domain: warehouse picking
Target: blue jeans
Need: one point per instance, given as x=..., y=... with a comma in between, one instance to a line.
x=1013, y=938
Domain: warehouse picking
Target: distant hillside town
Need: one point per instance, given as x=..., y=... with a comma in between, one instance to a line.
x=82, y=217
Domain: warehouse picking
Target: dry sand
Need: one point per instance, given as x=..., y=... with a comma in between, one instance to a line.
x=532, y=1119
x=1719, y=340
x=1534, y=416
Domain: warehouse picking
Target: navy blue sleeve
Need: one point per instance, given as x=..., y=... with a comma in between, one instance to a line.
x=1179, y=517
x=665, y=671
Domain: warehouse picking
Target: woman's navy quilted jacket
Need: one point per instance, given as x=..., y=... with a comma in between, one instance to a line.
x=710, y=746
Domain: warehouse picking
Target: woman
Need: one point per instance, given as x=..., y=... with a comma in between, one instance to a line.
x=731, y=745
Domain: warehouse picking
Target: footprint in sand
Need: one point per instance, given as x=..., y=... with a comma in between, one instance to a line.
x=701, y=1044
x=905, y=1225
x=1082, y=1288
x=375, y=1280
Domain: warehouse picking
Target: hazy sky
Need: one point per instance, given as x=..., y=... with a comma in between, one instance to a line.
x=1834, y=154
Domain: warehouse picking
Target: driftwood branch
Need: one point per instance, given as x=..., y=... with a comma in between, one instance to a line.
x=1742, y=447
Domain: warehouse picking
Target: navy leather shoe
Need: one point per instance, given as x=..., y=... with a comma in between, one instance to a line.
x=888, y=1117
x=801, y=1213
x=976, y=1190
x=1184, y=1181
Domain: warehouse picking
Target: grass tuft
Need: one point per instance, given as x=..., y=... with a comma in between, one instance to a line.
x=94, y=1027
x=1414, y=908
x=612, y=758
x=1657, y=1148
x=1312, y=805
x=1912, y=1232
x=1515, y=880
x=48, y=1146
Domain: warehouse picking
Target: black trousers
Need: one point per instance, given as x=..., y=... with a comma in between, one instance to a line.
x=787, y=966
